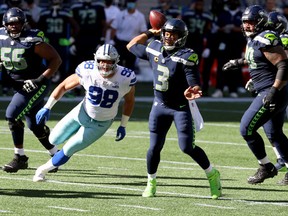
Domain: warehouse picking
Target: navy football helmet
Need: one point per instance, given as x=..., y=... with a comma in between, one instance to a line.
x=277, y=22
x=176, y=26
x=256, y=14
x=14, y=15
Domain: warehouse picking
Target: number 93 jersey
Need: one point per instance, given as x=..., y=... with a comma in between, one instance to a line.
x=103, y=95
x=18, y=56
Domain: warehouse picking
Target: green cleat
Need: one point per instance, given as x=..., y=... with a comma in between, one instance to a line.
x=150, y=189
x=215, y=184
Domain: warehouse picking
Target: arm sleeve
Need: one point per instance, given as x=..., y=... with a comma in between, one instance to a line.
x=139, y=50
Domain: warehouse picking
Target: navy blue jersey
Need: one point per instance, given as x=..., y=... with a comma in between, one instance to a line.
x=172, y=73
x=262, y=71
x=90, y=17
x=56, y=25
x=18, y=57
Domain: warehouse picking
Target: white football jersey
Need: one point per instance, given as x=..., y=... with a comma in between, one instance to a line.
x=103, y=95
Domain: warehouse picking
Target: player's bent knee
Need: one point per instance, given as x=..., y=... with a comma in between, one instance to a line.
x=15, y=125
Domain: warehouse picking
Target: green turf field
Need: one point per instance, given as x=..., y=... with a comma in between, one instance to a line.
x=108, y=177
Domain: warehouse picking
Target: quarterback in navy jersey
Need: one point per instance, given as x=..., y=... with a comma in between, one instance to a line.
x=22, y=54
x=268, y=66
x=176, y=79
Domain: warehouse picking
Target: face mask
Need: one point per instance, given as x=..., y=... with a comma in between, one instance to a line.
x=131, y=5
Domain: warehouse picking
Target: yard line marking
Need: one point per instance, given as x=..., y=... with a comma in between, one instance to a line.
x=69, y=209
x=248, y=202
x=136, y=159
x=141, y=207
x=5, y=211
x=213, y=206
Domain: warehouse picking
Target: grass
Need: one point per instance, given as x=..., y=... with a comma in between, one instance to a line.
x=108, y=177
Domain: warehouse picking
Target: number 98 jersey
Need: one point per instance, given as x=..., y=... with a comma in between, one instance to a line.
x=103, y=95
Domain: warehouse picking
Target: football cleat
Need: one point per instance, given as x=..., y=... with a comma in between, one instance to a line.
x=150, y=189
x=284, y=181
x=40, y=174
x=215, y=184
x=263, y=172
x=18, y=162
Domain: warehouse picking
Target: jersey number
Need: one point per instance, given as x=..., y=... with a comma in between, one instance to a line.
x=162, y=79
x=16, y=60
x=101, y=98
x=250, y=59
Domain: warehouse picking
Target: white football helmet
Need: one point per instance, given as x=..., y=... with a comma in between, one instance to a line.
x=106, y=52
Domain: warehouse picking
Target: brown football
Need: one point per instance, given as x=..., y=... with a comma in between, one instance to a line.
x=156, y=19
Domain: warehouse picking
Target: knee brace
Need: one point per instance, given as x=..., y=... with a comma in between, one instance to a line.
x=41, y=133
x=15, y=126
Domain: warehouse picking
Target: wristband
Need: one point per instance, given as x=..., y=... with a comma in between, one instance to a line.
x=50, y=103
x=124, y=120
x=149, y=34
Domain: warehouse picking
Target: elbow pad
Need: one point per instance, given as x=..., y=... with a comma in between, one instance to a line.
x=282, y=72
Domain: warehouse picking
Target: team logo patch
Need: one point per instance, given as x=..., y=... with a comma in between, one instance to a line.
x=272, y=38
x=193, y=58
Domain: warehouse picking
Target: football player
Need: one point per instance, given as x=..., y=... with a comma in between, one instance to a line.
x=268, y=65
x=175, y=71
x=22, y=54
x=105, y=83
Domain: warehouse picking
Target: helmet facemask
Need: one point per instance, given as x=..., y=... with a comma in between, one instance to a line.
x=175, y=26
x=106, y=52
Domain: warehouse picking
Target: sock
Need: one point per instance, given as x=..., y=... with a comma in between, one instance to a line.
x=59, y=158
x=45, y=168
x=151, y=176
x=264, y=161
x=209, y=171
x=19, y=151
x=53, y=150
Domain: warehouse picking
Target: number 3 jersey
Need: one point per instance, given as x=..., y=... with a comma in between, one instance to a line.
x=103, y=95
x=172, y=72
x=18, y=56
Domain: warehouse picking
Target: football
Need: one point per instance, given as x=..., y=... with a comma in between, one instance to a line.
x=156, y=19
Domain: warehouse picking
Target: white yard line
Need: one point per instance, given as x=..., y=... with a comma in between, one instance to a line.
x=141, y=207
x=69, y=209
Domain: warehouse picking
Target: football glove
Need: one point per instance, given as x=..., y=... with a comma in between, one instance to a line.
x=269, y=101
x=32, y=84
x=42, y=115
x=233, y=64
x=250, y=86
x=121, y=133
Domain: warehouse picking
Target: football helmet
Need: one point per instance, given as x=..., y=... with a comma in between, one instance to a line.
x=14, y=15
x=106, y=52
x=256, y=14
x=277, y=22
x=176, y=26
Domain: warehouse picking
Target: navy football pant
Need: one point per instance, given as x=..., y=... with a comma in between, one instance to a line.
x=160, y=120
x=257, y=116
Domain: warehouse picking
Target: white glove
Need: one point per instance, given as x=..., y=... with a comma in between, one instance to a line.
x=250, y=86
x=206, y=53
x=29, y=86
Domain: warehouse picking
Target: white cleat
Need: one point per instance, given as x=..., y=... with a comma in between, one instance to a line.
x=39, y=178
